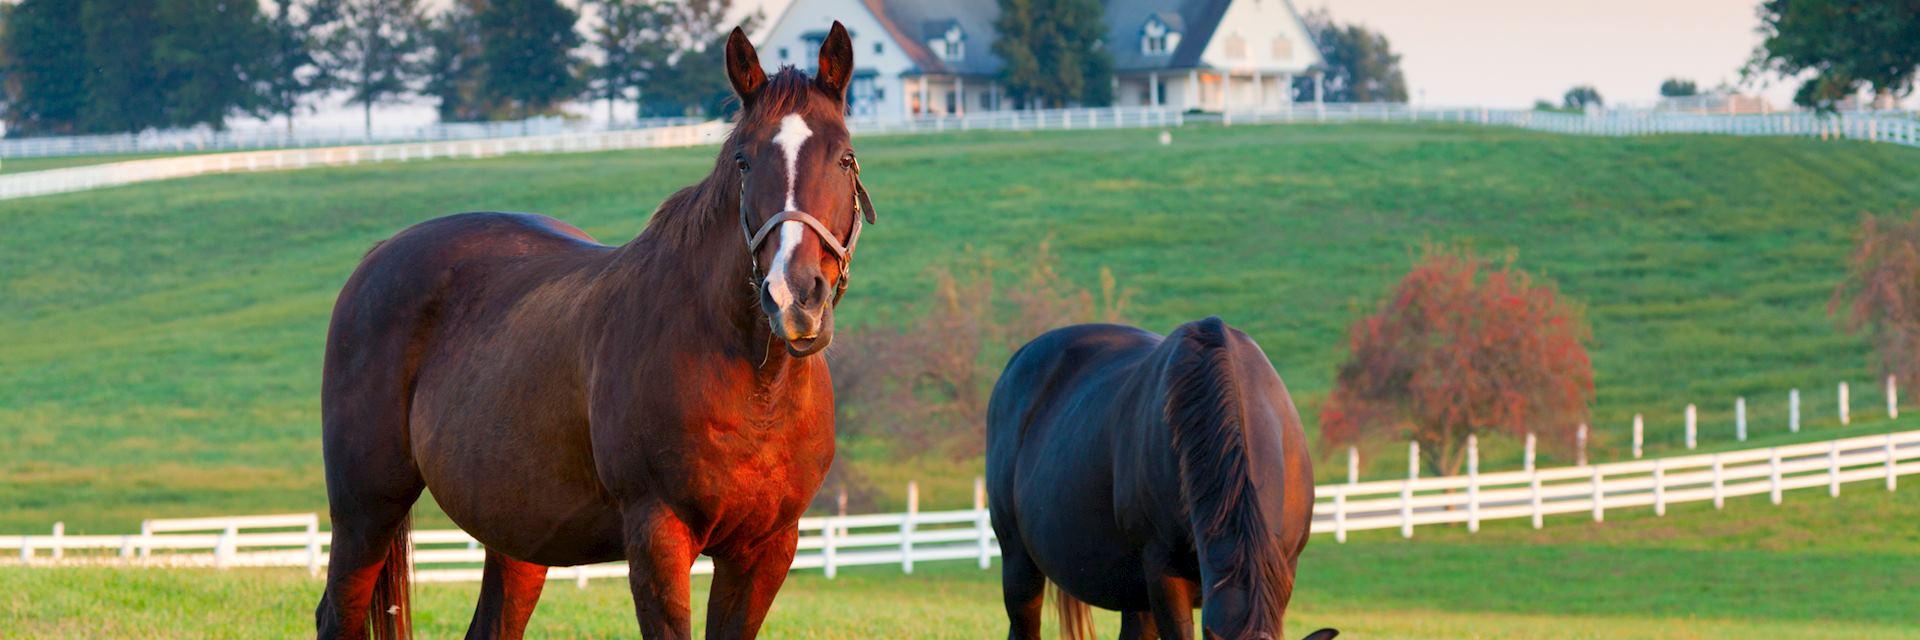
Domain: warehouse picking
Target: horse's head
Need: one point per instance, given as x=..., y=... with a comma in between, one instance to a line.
x=801, y=202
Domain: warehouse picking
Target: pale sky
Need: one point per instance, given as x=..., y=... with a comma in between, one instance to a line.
x=1506, y=53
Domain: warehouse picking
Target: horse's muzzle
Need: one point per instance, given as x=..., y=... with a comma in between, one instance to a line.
x=805, y=323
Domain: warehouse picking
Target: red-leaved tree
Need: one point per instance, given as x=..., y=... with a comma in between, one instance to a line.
x=1882, y=292
x=1459, y=348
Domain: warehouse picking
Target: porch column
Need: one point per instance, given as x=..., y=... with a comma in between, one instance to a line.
x=906, y=109
x=960, y=95
x=1154, y=96
x=1319, y=90
x=994, y=88
x=1116, y=89
x=926, y=96
x=1286, y=89
x=1193, y=90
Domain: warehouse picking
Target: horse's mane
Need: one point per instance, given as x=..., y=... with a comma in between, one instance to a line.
x=1209, y=437
x=683, y=217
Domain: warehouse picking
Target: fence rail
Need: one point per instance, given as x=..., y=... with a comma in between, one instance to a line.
x=831, y=542
x=265, y=137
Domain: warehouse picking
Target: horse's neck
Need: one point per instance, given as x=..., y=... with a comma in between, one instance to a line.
x=688, y=275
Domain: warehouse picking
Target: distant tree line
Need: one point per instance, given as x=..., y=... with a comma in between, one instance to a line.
x=105, y=66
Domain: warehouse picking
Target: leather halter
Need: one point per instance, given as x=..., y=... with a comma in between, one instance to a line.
x=862, y=207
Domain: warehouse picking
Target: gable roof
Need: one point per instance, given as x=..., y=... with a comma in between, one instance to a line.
x=912, y=23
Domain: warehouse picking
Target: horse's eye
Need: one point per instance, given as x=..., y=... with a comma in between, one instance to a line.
x=846, y=161
x=740, y=160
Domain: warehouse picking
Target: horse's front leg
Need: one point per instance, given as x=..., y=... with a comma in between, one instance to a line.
x=660, y=554
x=744, y=583
x=1171, y=597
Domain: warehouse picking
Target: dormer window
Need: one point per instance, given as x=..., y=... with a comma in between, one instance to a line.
x=1157, y=38
x=1236, y=47
x=950, y=45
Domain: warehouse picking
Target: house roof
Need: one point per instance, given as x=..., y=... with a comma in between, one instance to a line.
x=911, y=23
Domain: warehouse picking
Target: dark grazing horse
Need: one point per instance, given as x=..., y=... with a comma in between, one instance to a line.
x=1148, y=475
x=569, y=402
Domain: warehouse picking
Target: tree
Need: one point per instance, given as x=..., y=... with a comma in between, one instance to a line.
x=1843, y=44
x=1678, y=88
x=372, y=51
x=1450, y=353
x=631, y=37
x=528, y=53
x=294, y=70
x=689, y=74
x=1359, y=63
x=123, y=92
x=1882, y=293
x=450, y=70
x=45, y=79
x=207, y=59
x=1581, y=97
x=1052, y=52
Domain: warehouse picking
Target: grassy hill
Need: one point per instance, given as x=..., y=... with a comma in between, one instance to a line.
x=1752, y=571
x=162, y=342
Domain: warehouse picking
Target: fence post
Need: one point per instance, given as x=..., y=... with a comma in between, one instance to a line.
x=1773, y=476
x=1406, y=490
x=906, y=527
x=1473, y=483
x=1639, y=435
x=223, y=550
x=1793, y=411
x=1843, y=405
x=26, y=549
x=982, y=527
x=1833, y=468
x=146, y=539
x=1719, y=491
x=1660, y=487
x=1530, y=451
x=1533, y=484
x=1893, y=399
x=1340, y=498
x=1693, y=428
x=313, y=546
x=1581, y=450
x=1892, y=480
x=1599, y=497
x=829, y=551
x=59, y=535
x=1740, y=418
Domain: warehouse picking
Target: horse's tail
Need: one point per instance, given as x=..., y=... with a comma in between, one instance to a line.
x=1076, y=618
x=391, y=611
x=1205, y=413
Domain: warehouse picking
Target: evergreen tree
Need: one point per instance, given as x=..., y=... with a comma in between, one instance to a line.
x=123, y=89
x=451, y=68
x=372, y=51
x=1052, y=52
x=631, y=36
x=294, y=68
x=1678, y=88
x=207, y=59
x=45, y=76
x=528, y=53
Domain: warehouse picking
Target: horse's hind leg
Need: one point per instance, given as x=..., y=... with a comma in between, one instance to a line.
x=1023, y=587
x=509, y=589
x=1137, y=625
x=372, y=484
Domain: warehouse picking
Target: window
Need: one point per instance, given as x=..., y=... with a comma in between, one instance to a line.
x=951, y=45
x=783, y=53
x=986, y=100
x=953, y=102
x=1282, y=48
x=879, y=48
x=1158, y=39
x=1236, y=47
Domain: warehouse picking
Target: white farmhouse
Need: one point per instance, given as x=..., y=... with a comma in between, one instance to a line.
x=935, y=57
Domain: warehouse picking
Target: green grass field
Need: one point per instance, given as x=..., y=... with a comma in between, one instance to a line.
x=1815, y=567
x=163, y=340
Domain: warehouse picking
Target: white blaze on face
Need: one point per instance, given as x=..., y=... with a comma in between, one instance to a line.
x=793, y=134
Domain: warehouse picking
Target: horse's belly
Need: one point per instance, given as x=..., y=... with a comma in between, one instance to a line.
x=1068, y=530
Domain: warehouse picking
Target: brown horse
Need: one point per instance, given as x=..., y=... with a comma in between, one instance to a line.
x=1148, y=475
x=569, y=402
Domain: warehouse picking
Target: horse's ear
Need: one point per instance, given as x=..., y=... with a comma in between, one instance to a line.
x=836, y=62
x=743, y=67
x=1323, y=634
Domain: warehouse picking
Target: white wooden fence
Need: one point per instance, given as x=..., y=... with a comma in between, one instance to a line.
x=81, y=178
x=831, y=542
x=1891, y=127
x=271, y=137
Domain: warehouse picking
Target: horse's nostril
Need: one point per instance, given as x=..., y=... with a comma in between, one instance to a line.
x=818, y=292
